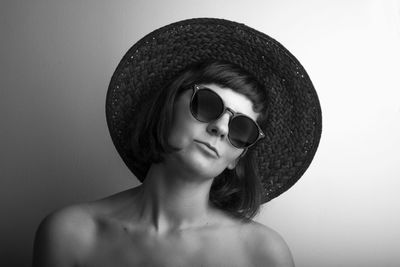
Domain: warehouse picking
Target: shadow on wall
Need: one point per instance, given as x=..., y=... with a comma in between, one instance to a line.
x=33, y=190
x=15, y=253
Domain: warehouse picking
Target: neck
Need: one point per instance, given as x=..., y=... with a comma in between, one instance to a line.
x=172, y=200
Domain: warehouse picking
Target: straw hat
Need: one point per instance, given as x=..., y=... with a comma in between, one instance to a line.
x=293, y=126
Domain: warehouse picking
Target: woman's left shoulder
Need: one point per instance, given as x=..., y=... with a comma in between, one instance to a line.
x=267, y=247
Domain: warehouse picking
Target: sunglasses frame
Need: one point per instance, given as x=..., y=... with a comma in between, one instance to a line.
x=233, y=114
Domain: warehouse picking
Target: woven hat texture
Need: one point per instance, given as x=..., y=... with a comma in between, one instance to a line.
x=293, y=126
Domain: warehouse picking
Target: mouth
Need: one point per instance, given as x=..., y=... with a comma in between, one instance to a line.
x=209, y=146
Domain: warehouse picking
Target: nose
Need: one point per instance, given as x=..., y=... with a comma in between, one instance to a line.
x=219, y=127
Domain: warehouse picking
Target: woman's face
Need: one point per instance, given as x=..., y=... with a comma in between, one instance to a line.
x=193, y=137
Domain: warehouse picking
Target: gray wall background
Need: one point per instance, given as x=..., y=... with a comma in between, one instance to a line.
x=56, y=60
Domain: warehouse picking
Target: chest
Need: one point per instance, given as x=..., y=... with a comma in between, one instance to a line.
x=223, y=248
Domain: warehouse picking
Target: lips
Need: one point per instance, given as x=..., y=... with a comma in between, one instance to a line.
x=209, y=146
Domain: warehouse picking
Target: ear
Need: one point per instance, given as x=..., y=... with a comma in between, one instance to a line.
x=233, y=164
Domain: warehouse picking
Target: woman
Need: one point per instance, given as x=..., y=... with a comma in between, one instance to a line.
x=214, y=118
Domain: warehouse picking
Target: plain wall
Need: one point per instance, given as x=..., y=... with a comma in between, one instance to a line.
x=57, y=58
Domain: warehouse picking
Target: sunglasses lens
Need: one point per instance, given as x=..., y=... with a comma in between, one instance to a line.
x=206, y=105
x=243, y=132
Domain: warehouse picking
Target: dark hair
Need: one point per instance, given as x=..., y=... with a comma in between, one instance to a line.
x=236, y=191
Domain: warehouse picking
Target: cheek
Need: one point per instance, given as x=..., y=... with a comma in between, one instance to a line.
x=183, y=126
x=179, y=135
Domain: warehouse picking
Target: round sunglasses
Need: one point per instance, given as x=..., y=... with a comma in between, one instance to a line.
x=207, y=106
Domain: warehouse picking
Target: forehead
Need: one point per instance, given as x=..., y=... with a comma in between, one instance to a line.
x=234, y=100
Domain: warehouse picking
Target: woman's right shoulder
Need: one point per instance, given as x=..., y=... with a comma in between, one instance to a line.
x=76, y=221
x=65, y=236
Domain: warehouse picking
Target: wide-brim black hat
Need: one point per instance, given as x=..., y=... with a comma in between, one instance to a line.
x=293, y=125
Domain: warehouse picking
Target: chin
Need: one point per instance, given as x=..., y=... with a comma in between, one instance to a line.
x=197, y=164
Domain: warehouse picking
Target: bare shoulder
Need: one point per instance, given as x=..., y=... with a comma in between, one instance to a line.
x=267, y=247
x=64, y=236
x=67, y=236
